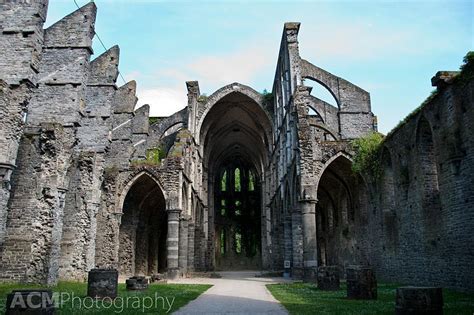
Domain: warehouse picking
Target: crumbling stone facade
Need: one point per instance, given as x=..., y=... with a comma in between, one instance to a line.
x=236, y=180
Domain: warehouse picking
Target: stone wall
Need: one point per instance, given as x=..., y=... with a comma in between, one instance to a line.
x=421, y=206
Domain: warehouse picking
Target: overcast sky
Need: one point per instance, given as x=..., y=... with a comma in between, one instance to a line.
x=389, y=48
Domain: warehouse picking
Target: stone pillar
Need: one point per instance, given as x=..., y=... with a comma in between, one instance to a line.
x=297, y=237
x=287, y=243
x=183, y=246
x=191, y=246
x=172, y=242
x=310, y=253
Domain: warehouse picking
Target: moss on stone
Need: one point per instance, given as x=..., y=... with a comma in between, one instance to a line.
x=152, y=120
x=154, y=156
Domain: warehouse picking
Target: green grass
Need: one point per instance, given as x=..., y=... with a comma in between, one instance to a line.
x=305, y=298
x=139, y=302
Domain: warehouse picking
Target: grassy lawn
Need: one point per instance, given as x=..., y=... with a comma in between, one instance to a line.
x=158, y=299
x=305, y=298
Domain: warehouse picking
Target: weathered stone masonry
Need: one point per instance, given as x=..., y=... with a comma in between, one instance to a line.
x=236, y=180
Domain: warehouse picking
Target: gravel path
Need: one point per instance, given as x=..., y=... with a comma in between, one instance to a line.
x=238, y=292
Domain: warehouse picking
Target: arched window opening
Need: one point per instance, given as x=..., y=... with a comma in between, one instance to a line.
x=224, y=181
x=223, y=212
x=241, y=217
x=172, y=129
x=320, y=91
x=238, y=242
x=222, y=242
x=251, y=181
x=312, y=112
x=237, y=186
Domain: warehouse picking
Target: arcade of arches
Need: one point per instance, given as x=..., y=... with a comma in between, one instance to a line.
x=235, y=180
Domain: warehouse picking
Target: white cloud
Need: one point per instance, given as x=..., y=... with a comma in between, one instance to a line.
x=163, y=101
x=213, y=72
x=243, y=65
x=360, y=42
x=240, y=66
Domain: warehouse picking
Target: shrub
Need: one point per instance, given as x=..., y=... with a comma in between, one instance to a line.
x=267, y=97
x=366, y=158
x=203, y=98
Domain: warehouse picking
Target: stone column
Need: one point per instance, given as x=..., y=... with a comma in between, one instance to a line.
x=172, y=242
x=183, y=245
x=191, y=246
x=310, y=253
x=287, y=242
x=297, y=237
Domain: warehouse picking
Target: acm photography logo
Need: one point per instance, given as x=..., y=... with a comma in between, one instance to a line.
x=70, y=301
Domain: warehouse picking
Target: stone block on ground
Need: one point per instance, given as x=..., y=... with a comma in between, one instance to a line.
x=102, y=283
x=361, y=283
x=419, y=300
x=328, y=278
x=160, y=278
x=137, y=283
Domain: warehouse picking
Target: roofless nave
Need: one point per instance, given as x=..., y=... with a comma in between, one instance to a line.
x=237, y=180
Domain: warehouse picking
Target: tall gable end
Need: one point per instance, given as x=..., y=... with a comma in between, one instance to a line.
x=73, y=31
x=104, y=69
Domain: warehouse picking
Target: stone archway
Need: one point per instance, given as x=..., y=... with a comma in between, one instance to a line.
x=339, y=214
x=143, y=229
x=235, y=144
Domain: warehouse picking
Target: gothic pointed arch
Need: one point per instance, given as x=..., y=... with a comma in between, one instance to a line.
x=339, y=193
x=143, y=226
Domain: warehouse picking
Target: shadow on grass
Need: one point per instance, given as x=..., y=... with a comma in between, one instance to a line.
x=305, y=298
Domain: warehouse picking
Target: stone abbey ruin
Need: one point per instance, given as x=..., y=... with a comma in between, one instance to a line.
x=236, y=180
